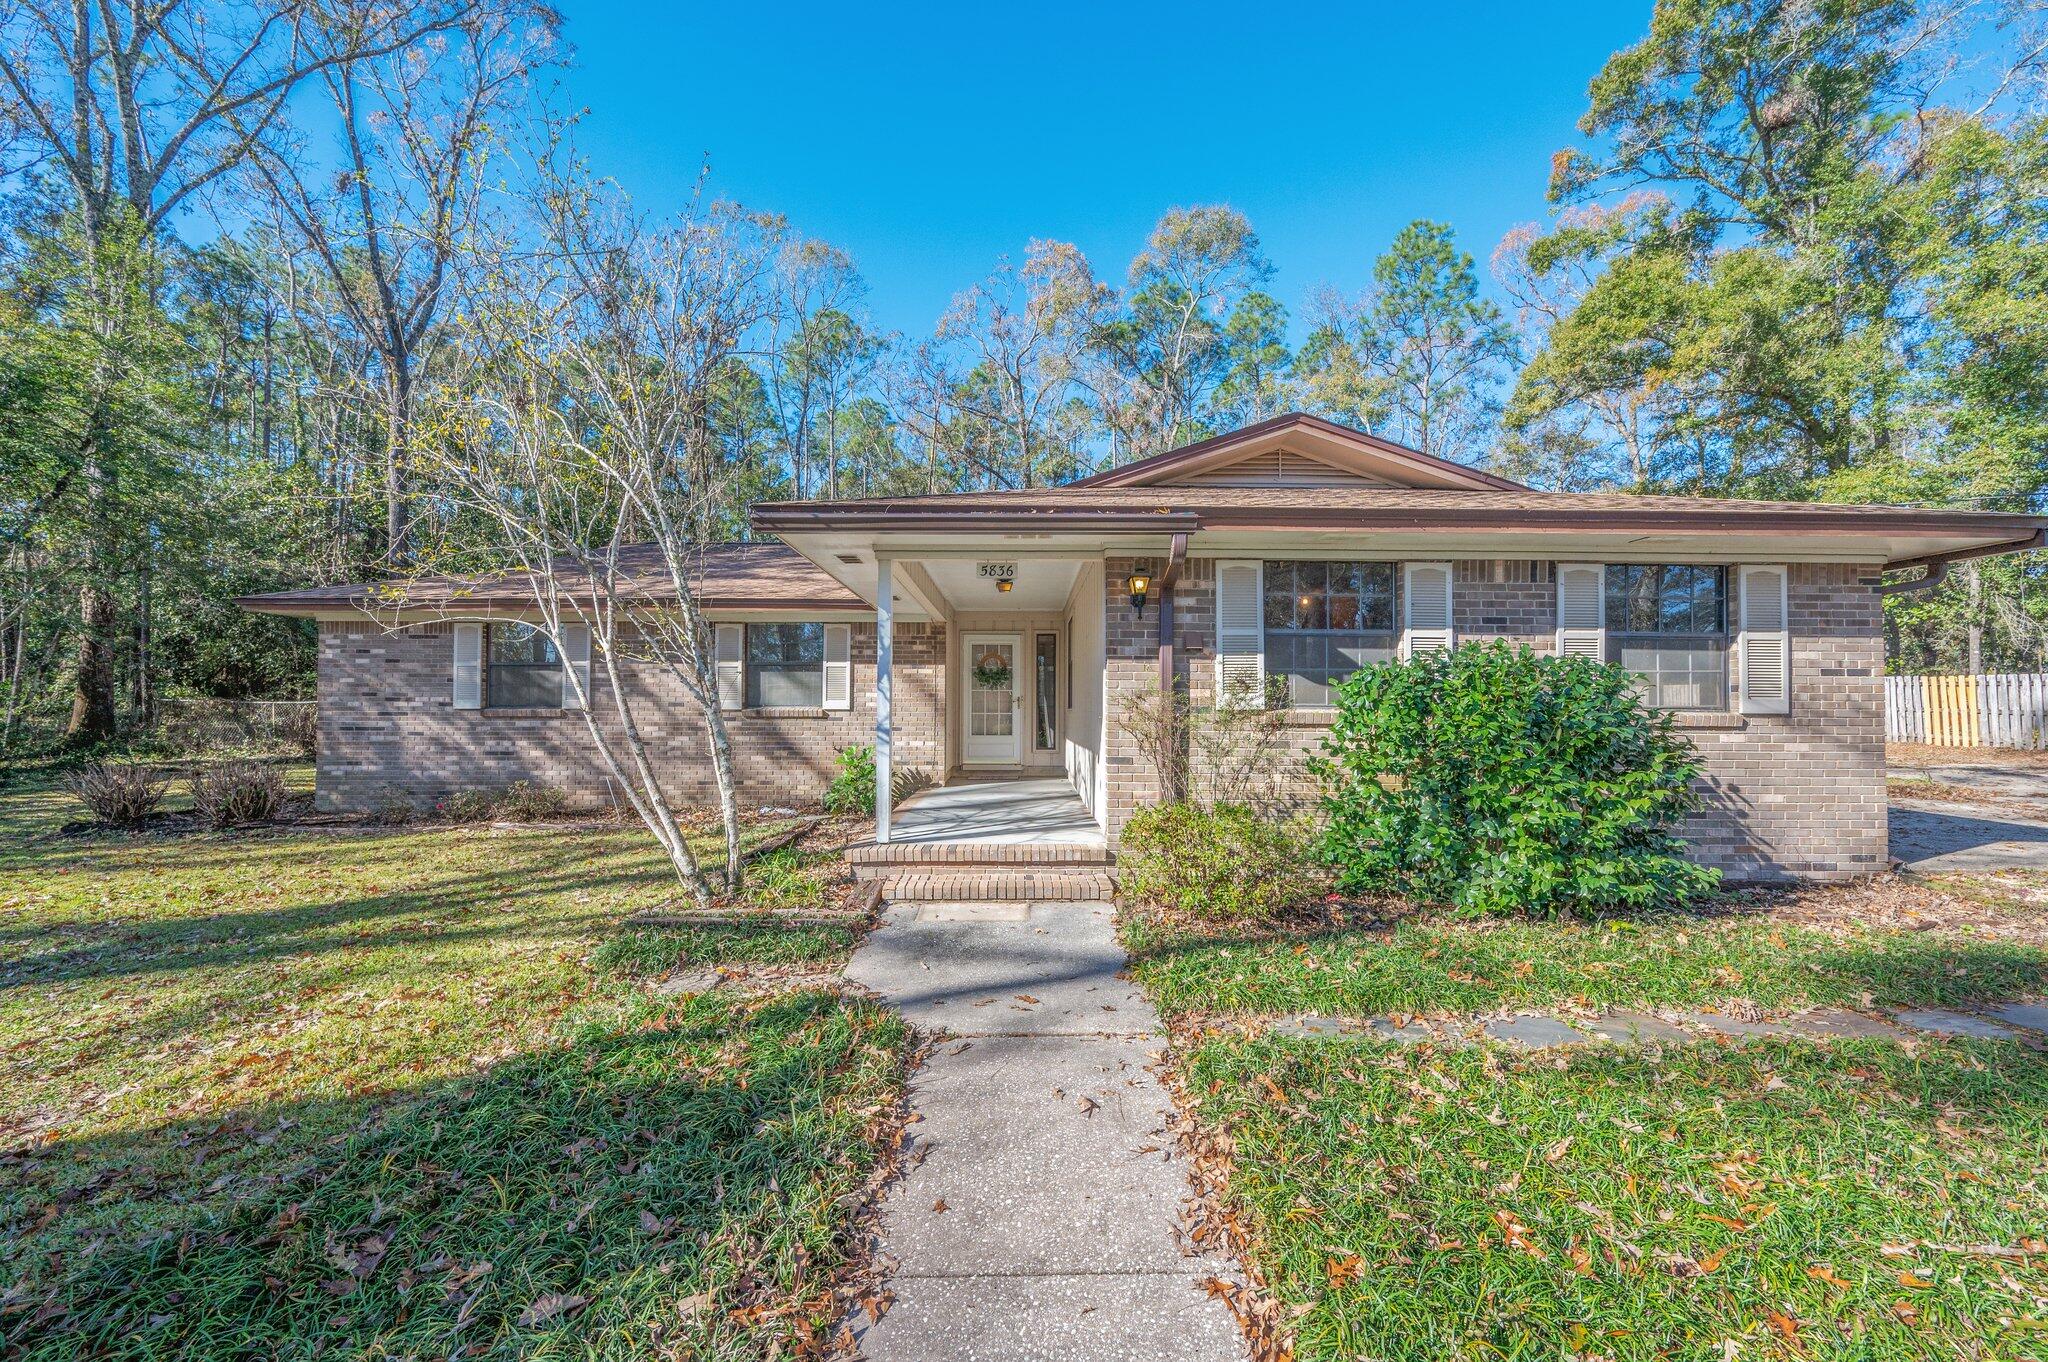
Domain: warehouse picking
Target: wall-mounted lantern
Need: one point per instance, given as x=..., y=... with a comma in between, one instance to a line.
x=1140, y=586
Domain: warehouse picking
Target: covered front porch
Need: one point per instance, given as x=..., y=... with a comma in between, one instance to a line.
x=1014, y=716
x=1012, y=810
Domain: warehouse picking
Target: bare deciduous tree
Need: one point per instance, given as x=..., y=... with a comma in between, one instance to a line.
x=568, y=439
x=412, y=129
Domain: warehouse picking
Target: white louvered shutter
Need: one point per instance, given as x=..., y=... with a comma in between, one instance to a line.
x=575, y=662
x=731, y=658
x=1240, y=634
x=839, y=666
x=1426, y=608
x=469, y=666
x=1766, y=644
x=1582, y=610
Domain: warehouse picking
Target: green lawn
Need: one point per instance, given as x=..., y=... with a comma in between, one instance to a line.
x=1785, y=1199
x=1842, y=1201
x=402, y=1093
x=1426, y=964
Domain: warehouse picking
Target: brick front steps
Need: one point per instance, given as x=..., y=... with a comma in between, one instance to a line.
x=913, y=872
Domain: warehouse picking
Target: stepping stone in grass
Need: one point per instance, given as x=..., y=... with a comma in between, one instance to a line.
x=1839, y=1022
x=1534, y=1032
x=2033, y=1016
x=1409, y=1033
x=1943, y=1022
x=1735, y=1027
x=1639, y=1028
x=1317, y=1026
x=688, y=981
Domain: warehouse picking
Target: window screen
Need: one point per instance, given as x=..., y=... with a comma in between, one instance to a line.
x=525, y=671
x=785, y=666
x=1324, y=621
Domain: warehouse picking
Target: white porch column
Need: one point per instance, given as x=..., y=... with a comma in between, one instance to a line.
x=885, y=662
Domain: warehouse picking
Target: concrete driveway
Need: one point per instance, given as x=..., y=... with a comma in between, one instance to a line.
x=1038, y=1215
x=1936, y=836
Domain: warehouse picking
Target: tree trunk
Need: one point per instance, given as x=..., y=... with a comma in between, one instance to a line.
x=397, y=517
x=92, y=699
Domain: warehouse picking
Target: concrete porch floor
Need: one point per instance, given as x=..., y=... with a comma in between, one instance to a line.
x=1002, y=810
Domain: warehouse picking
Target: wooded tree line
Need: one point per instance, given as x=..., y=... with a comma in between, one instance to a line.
x=259, y=258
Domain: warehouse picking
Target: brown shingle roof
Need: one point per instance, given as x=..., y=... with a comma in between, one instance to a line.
x=726, y=577
x=1385, y=508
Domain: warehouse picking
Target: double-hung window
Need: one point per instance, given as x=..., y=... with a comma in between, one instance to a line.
x=1324, y=621
x=785, y=666
x=524, y=671
x=1669, y=625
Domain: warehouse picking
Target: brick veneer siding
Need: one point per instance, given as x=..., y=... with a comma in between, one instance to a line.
x=389, y=731
x=1799, y=795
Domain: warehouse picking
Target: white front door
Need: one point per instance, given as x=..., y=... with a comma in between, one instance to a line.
x=995, y=700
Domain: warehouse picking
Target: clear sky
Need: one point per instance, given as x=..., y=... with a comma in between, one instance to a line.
x=929, y=140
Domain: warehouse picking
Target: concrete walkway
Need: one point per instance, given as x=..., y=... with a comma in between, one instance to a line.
x=1037, y=1219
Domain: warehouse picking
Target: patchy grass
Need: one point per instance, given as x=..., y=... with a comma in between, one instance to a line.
x=288, y=1093
x=1777, y=951
x=1782, y=1200
x=651, y=951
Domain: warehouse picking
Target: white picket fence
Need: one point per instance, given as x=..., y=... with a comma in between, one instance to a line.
x=2008, y=710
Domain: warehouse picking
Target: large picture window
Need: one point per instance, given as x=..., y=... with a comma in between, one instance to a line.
x=785, y=666
x=1324, y=621
x=525, y=671
x=1669, y=625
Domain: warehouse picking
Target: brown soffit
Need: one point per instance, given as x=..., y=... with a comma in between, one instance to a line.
x=1125, y=474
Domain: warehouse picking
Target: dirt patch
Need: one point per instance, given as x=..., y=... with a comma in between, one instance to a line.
x=1898, y=754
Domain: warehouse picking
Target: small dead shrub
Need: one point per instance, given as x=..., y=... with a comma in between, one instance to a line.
x=233, y=793
x=394, y=813
x=466, y=806
x=122, y=794
x=524, y=802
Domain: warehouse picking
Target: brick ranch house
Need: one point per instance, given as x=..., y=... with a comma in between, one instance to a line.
x=985, y=638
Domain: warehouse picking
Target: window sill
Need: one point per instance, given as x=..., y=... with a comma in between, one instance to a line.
x=508, y=712
x=1311, y=716
x=1708, y=719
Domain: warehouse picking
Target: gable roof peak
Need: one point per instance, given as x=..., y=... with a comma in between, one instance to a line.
x=1371, y=457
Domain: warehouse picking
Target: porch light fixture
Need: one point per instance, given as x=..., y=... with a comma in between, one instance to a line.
x=1140, y=586
x=1004, y=585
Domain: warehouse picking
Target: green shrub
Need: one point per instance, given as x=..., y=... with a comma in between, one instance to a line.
x=1219, y=864
x=852, y=791
x=1494, y=780
x=231, y=793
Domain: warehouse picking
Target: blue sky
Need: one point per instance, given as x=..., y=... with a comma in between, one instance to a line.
x=928, y=140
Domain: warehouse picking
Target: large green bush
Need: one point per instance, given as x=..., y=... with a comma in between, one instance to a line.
x=1219, y=864
x=1495, y=780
